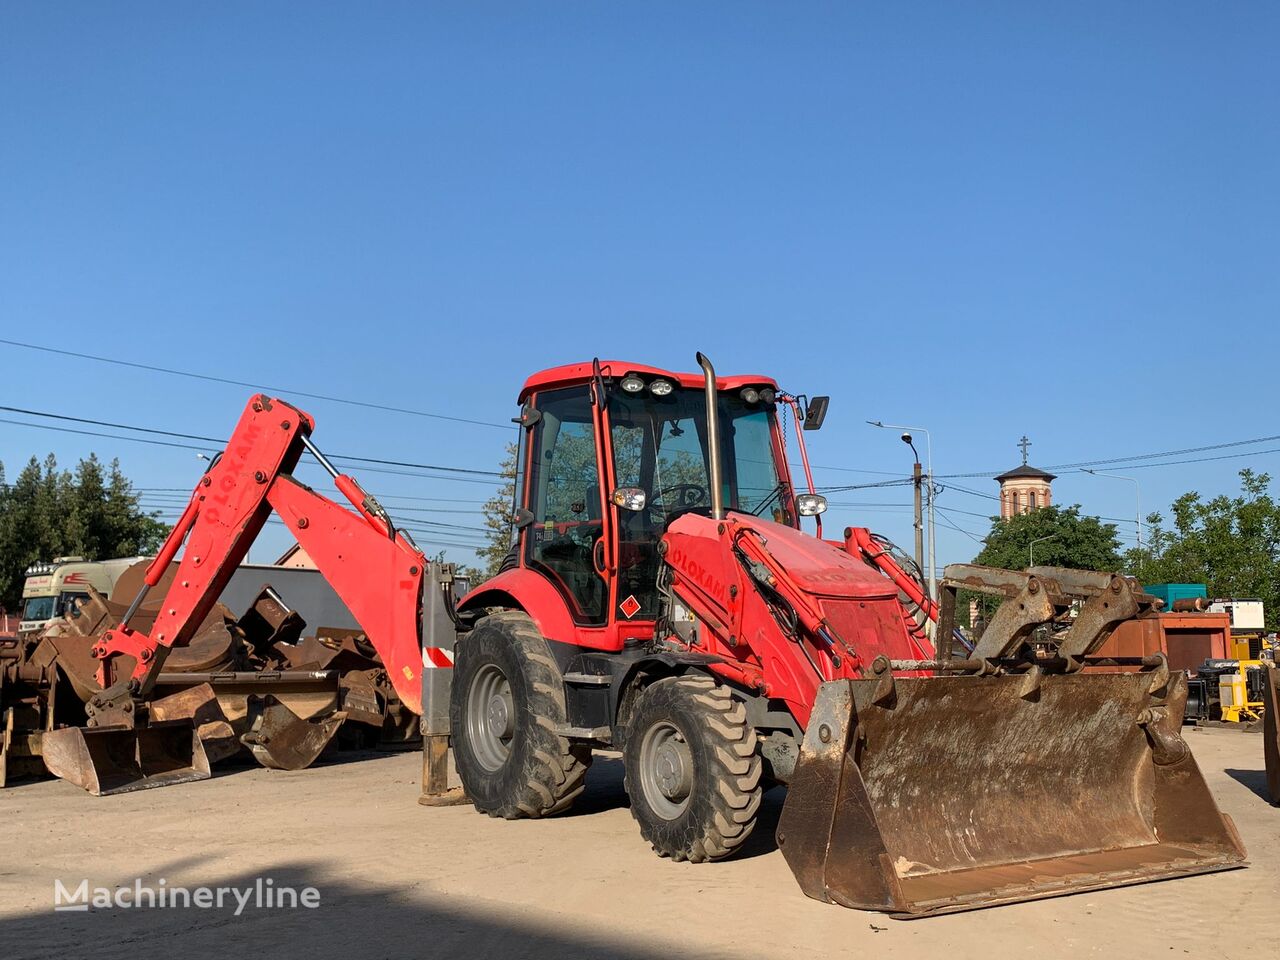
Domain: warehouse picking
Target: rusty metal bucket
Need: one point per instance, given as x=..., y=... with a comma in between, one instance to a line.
x=937, y=794
x=1271, y=727
x=108, y=760
x=282, y=740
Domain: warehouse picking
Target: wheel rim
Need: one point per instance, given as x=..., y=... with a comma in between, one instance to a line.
x=666, y=770
x=490, y=717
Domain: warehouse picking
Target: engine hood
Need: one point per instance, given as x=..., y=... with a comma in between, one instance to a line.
x=818, y=568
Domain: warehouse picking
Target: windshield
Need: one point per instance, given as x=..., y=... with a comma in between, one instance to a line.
x=38, y=608
x=659, y=445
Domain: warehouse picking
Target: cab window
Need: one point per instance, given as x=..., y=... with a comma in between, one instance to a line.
x=564, y=498
x=38, y=608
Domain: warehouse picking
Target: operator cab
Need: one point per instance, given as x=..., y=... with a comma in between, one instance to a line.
x=586, y=507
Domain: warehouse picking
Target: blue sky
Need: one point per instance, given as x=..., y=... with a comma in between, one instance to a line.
x=997, y=219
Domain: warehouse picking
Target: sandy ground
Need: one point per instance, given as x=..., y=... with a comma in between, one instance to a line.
x=399, y=880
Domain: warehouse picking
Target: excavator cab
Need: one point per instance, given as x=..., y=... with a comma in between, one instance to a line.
x=606, y=471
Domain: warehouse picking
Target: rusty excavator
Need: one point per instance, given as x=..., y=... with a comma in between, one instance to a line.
x=661, y=599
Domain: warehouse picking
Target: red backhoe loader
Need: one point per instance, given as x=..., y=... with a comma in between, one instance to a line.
x=661, y=599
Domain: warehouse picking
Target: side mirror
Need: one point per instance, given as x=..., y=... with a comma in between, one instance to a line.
x=815, y=412
x=629, y=498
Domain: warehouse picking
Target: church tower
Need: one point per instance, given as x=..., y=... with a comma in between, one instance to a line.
x=1024, y=488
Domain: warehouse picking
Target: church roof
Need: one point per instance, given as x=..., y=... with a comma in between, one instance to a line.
x=1025, y=472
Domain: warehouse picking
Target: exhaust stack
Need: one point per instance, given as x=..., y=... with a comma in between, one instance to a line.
x=713, y=437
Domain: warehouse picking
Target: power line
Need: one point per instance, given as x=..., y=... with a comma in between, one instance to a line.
x=393, y=496
x=108, y=436
x=252, y=386
x=414, y=523
x=171, y=499
x=203, y=449
x=967, y=513
x=1172, y=463
x=947, y=523
x=972, y=493
x=192, y=436
x=434, y=541
x=1131, y=462
x=819, y=466
x=1171, y=453
x=868, y=486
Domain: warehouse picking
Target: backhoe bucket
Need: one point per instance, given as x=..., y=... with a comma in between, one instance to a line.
x=107, y=760
x=1271, y=727
x=928, y=795
x=282, y=740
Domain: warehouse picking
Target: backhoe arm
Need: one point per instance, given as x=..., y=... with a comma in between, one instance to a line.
x=375, y=569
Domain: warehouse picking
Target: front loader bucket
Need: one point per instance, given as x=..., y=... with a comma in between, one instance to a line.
x=1271, y=727
x=107, y=760
x=936, y=794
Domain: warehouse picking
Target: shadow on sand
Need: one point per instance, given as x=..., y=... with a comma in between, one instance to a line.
x=1255, y=780
x=347, y=924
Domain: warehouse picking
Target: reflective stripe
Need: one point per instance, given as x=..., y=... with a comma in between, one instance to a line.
x=435, y=657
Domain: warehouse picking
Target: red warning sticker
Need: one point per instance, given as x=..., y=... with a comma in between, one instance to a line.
x=629, y=607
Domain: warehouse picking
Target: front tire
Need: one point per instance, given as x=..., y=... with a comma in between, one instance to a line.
x=692, y=769
x=506, y=703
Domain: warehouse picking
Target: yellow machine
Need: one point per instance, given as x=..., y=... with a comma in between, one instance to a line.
x=1240, y=684
x=1240, y=692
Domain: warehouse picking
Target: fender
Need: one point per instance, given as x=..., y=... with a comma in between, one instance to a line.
x=531, y=592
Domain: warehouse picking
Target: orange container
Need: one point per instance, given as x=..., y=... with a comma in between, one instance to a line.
x=1187, y=639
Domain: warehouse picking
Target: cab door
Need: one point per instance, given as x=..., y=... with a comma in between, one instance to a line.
x=566, y=535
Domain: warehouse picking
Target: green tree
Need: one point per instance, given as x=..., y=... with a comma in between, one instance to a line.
x=497, y=523
x=1229, y=543
x=92, y=512
x=1067, y=539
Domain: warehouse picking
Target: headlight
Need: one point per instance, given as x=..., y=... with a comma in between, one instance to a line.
x=767, y=394
x=660, y=388
x=632, y=384
x=750, y=394
x=811, y=504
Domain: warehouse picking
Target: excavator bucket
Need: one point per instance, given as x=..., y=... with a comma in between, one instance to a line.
x=108, y=760
x=1271, y=727
x=934, y=794
x=281, y=740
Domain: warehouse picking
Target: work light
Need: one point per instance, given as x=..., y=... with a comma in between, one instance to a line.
x=811, y=504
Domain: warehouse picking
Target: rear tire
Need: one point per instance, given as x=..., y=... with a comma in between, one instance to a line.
x=506, y=703
x=692, y=769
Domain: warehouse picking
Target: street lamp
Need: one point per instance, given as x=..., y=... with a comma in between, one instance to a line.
x=1137, y=496
x=917, y=482
x=928, y=440
x=1031, y=550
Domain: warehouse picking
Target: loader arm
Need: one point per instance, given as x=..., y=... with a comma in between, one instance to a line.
x=375, y=569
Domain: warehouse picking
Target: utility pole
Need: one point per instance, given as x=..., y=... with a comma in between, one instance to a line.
x=918, y=478
x=933, y=528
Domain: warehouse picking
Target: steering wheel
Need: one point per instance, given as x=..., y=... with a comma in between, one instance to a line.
x=684, y=497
